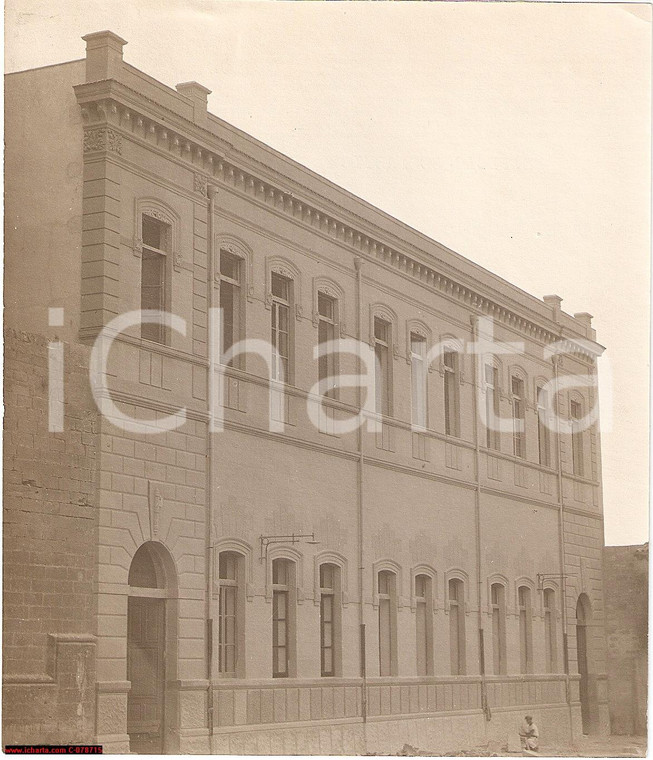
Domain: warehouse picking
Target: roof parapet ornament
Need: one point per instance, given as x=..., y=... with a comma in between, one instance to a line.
x=199, y=96
x=584, y=318
x=103, y=55
x=555, y=303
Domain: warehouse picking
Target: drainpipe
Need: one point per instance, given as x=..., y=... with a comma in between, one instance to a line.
x=358, y=264
x=476, y=385
x=563, y=578
x=210, y=395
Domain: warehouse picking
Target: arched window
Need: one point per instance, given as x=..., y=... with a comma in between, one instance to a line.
x=576, y=414
x=330, y=619
x=284, y=602
x=231, y=617
x=457, y=626
x=156, y=237
x=387, y=597
x=327, y=316
x=424, y=624
x=282, y=299
x=231, y=273
x=525, y=629
x=451, y=365
x=518, y=399
x=543, y=431
x=492, y=438
x=418, y=376
x=550, y=649
x=498, y=606
x=383, y=365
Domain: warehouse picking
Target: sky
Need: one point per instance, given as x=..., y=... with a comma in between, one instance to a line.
x=517, y=134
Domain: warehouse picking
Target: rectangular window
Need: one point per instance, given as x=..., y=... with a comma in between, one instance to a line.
x=155, y=236
x=424, y=624
x=492, y=406
x=457, y=626
x=280, y=337
x=326, y=329
x=543, y=432
x=498, y=605
x=383, y=377
x=418, y=378
x=525, y=637
x=577, y=438
x=549, y=630
x=227, y=613
x=451, y=398
x=387, y=623
x=230, y=300
x=329, y=619
x=283, y=618
x=518, y=418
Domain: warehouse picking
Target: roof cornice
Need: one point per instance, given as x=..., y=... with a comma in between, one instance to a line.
x=127, y=113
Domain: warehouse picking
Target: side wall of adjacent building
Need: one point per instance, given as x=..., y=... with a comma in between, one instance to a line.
x=626, y=622
x=49, y=548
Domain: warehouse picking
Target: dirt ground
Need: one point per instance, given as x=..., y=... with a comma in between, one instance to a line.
x=604, y=746
x=600, y=746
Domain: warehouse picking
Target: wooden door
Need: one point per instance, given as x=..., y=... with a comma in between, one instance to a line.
x=146, y=671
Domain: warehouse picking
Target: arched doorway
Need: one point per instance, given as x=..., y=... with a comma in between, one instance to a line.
x=151, y=639
x=583, y=613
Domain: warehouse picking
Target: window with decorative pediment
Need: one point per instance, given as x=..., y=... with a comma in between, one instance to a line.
x=456, y=604
x=281, y=326
x=387, y=601
x=451, y=366
x=231, y=615
x=327, y=311
x=518, y=401
x=524, y=602
x=492, y=394
x=577, y=452
x=382, y=340
x=423, y=596
x=498, y=611
x=231, y=274
x=330, y=581
x=550, y=649
x=284, y=603
x=543, y=428
x=156, y=236
x=418, y=376
x=157, y=245
x=283, y=300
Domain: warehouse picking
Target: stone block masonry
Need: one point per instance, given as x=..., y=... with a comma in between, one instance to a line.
x=626, y=624
x=49, y=548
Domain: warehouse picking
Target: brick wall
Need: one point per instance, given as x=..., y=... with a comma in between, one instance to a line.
x=626, y=616
x=50, y=548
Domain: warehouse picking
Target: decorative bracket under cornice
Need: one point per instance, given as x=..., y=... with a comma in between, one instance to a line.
x=113, y=112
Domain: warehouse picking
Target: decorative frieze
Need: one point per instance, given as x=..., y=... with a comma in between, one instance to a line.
x=200, y=184
x=218, y=168
x=102, y=138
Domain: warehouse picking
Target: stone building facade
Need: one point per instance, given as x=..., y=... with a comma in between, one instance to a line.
x=626, y=627
x=270, y=582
